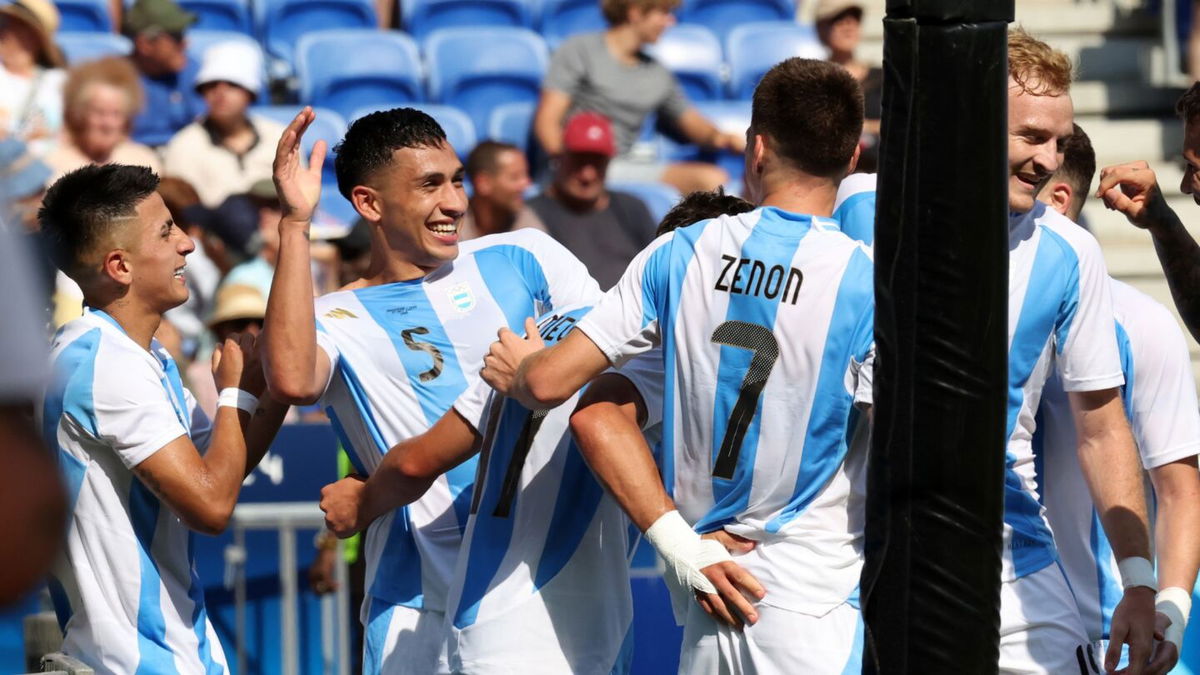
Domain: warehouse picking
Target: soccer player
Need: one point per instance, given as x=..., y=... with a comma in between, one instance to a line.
x=388, y=355
x=142, y=463
x=1160, y=401
x=854, y=208
x=543, y=540
x=765, y=320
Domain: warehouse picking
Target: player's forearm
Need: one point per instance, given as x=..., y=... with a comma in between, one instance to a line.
x=618, y=455
x=268, y=417
x=219, y=480
x=290, y=326
x=1179, y=255
x=1177, y=523
x=410, y=467
x=1110, y=466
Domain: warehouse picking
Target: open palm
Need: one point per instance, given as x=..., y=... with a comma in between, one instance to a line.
x=299, y=188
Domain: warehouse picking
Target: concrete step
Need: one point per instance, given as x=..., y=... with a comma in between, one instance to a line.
x=1047, y=18
x=1123, y=98
x=1126, y=140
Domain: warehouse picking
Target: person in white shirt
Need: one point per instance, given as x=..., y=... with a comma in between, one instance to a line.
x=144, y=467
x=1160, y=401
x=31, y=73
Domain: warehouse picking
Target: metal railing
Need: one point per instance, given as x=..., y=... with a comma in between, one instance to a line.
x=286, y=518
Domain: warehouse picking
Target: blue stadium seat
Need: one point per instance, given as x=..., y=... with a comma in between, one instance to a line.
x=753, y=48
x=385, y=68
x=421, y=17
x=231, y=15
x=83, y=16
x=478, y=69
x=459, y=128
x=693, y=53
x=80, y=47
x=333, y=205
x=721, y=16
x=564, y=18
x=512, y=123
x=658, y=197
x=328, y=126
x=284, y=21
x=198, y=42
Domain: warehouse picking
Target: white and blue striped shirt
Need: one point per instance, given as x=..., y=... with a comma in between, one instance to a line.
x=854, y=207
x=401, y=354
x=544, y=540
x=125, y=590
x=766, y=324
x=1160, y=402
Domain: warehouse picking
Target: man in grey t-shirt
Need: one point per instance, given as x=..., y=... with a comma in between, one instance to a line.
x=604, y=229
x=608, y=73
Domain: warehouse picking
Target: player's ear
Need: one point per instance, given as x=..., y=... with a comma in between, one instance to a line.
x=854, y=159
x=759, y=150
x=366, y=202
x=1057, y=195
x=116, y=266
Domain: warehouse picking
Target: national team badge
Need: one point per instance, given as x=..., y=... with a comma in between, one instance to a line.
x=462, y=297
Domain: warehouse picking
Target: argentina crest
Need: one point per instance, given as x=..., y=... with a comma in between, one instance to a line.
x=462, y=297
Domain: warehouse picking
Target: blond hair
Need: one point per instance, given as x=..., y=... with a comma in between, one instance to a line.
x=1036, y=67
x=616, y=12
x=112, y=71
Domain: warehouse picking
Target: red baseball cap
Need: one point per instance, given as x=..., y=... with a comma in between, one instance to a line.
x=589, y=132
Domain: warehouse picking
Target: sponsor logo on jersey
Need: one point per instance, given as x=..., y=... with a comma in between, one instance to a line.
x=462, y=297
x=339, y=313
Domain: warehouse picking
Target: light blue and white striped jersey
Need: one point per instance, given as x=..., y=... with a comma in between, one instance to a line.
x=854, y=208
x=1160, y=401
x=766, y=324
x=124, y=588
x=401, y=354
x=1060, y=321
x=544, y=540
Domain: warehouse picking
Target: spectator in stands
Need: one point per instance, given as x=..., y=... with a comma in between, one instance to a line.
x=839, y=28
x=31, y=73
x=203, y=273
x=228, y=150
x=603, y=228
x=100, y=100
x=499, y=175
x=608, y=73
x=259, y=270
x=156, y=28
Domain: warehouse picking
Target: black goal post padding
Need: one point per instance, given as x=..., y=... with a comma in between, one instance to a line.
x=931, y=583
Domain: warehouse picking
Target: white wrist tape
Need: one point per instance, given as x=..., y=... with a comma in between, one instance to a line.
x=685, y=552
x=232, y=397
x=1137, y=572
x=1176, y=604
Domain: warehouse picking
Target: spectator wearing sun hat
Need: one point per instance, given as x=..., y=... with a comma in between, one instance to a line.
x=227, y=150
x=31, y=74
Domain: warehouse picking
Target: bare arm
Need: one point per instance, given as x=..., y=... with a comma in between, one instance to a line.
x=406, y=472
x=296, y=368
x=1177, y=524
x=699, y=130
x=1133, y=190
x=548, y=120
x=1109, y=462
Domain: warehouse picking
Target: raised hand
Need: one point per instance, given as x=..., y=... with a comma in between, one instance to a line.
x=299, y=188
x=1132, y=189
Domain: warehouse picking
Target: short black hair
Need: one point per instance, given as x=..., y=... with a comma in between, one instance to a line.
x=1078, y=166
x=702, y=205
x=483, y=158
x=371, y=140
x=1188, y=105
x=79, y=208
x=811, y=113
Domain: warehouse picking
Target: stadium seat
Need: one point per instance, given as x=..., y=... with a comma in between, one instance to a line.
x=284, y=21
x=80, y=47
x=658, y=197
x=198, y=42
x=333, y=205
x=564, y=18
x=328, y=126
x=421, y=17
x=459, y=128
x=386, y=68
x=512, y=123
x=752, y=49
x=721, y=16
x=693, y=53
x=84, y=16
x=233, y=15
x=477, y=69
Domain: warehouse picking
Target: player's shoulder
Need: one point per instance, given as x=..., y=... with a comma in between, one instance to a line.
x=855, y=184
x=1138, y=313
x=528, y=238
x=1065, y=232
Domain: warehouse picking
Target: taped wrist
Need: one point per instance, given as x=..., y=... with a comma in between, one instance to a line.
x=685, y=552
x=1176, y=604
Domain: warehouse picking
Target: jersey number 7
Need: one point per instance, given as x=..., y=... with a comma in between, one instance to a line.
x=759, y=340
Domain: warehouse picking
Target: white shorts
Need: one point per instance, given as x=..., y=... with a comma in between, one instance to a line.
x=1041, y=632
x=783, y=642
x=400, y=640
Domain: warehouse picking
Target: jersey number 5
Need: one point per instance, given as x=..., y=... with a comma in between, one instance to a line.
x=759, y=340
x=426, y=347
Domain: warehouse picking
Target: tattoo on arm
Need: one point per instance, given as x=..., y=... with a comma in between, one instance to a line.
x=1179, y=255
